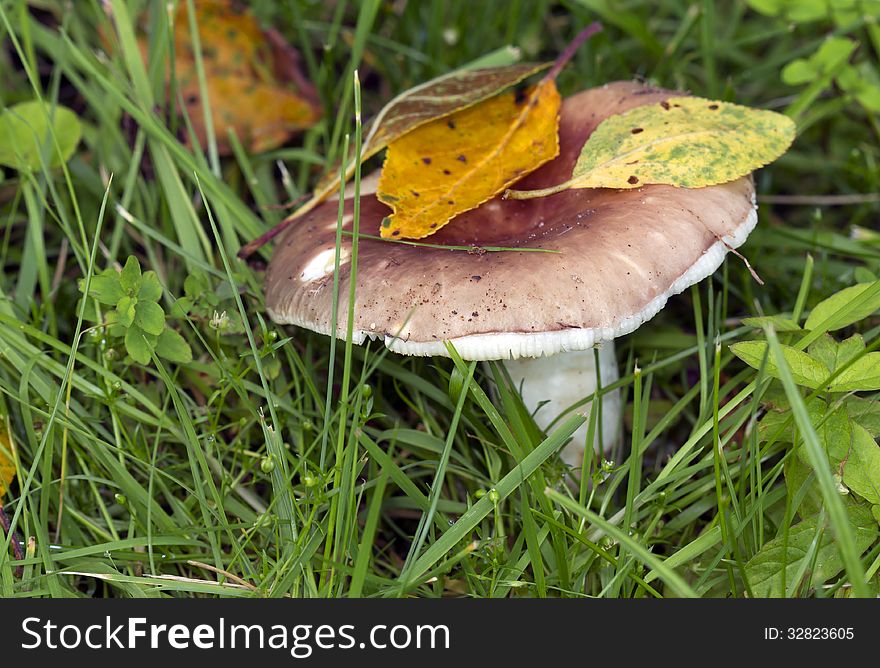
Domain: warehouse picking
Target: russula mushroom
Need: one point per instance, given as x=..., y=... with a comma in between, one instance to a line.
x=621, y=255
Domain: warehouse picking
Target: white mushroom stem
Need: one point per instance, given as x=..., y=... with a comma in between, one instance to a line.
x=552, y=384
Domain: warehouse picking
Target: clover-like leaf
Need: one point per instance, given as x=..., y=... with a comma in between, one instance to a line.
x=130, y=276
x=150, y=288
x=173, y=347
x=195, y=285
x=105, y=287
x=139, y=345
x=126, y=310
x=862, y=83
x=26, y=133
x=150, y=317
x=829, y=59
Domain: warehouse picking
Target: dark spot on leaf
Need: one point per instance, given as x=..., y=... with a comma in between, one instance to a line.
x=447, y=172
x=450, y=201
x=632, y=180
x=476, y=277
x=519, y=96
x=192, y=99
x=664, y=104
x=433, y=225
x=450, y=124
x=461, y=158
x=475, y=314
x=386, y=222
x=713, y=107
x=395, y=233
x=636, y=131
x=415, y=194
x=427, y=161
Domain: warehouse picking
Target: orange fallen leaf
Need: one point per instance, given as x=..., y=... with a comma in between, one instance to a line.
x=253, y=81
x=7, y=463
x=456, y=163
x=422, y=104
x=269, y=116
x=509, y=135
x=7, y=475
x=429, y=101
x=452, y=165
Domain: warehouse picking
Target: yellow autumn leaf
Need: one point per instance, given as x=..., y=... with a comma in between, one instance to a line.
x=253, y=81
x=265, y=117
x=7, y=464
x=689, y=142
x=231, y=39
x=448, y=121
x=454, y=164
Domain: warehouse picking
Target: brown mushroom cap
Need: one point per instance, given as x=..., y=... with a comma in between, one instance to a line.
x=623, y=253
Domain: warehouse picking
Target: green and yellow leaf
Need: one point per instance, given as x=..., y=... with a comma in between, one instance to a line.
x=688, y=142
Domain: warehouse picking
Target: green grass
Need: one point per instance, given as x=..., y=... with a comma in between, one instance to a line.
x=279, y=463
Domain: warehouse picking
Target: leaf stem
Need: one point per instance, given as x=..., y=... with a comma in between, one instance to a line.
x=252, y=247
x=570, y=50
x=542, y=192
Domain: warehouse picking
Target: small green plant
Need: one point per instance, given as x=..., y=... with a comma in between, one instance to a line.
x=137, y=317
x=842, y=12
x=846, y=424
x=830, y=63
x=838, y=60
x=206, y=303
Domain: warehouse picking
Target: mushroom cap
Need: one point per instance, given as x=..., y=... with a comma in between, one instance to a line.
x=621, y=255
